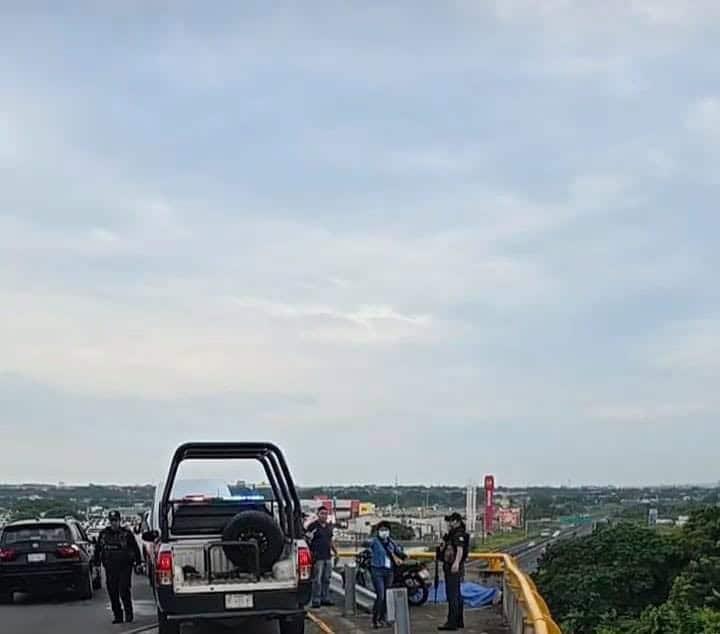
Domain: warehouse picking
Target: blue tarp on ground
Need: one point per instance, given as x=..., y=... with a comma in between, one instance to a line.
x=475, y=595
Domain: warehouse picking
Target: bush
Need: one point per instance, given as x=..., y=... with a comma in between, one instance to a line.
x=611, y=575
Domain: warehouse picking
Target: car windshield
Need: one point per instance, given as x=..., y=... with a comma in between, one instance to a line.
x=37, y=533
x=209, y=479
x=197, y=487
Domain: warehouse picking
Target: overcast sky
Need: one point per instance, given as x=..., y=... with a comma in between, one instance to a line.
x=432, y=240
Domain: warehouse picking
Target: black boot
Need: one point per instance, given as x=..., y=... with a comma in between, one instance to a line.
x=117, y=619
x=129, y=617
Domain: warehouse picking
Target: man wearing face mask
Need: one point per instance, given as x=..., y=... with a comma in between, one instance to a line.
x=385, y=555
x=453, y=553
x=118, y=551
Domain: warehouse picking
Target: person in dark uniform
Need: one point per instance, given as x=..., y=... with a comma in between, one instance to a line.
x=453, y=552
x=118, y=552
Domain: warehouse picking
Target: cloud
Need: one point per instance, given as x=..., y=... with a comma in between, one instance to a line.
x=704, y=117
x=688, y=346
x=650, y=414
x=364, y=324
x=492, y=221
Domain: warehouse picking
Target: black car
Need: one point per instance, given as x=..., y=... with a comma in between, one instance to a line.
x=46, y=556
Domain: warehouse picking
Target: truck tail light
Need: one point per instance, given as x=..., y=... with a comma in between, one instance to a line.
x=8, y=554
x=305, y=563
x=164, y=568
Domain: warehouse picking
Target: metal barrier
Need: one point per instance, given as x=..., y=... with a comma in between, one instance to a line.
x=398, y=610
x=523, y=607
x=350, y=604
x=364, y=598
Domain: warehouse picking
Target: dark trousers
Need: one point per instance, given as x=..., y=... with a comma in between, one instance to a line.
x=382, y=579
x=455, y=601
x=119, y=580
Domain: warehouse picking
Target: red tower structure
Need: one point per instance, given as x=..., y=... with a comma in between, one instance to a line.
x=489, y=504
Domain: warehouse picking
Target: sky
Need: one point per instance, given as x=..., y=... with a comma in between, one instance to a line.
x=418, y=240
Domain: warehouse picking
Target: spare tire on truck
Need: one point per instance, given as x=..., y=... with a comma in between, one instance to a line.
x=253, y=526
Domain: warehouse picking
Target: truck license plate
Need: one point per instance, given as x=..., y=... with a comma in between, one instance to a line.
x=34, y=558
x=238, y=601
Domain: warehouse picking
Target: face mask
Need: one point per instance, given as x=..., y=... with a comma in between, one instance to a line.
x=383, y=534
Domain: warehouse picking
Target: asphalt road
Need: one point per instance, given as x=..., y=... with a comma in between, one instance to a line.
x=528, y=558
x=67, y=615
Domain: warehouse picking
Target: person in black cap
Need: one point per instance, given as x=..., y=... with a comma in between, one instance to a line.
x=118, y=552
x=453, y=553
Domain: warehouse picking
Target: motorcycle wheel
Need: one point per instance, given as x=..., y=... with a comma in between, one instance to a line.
x=418, y=592
x=364, y=578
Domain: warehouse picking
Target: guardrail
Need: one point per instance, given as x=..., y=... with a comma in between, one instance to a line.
x=523, y=606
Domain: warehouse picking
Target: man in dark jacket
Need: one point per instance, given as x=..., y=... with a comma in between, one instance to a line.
x=118, y=552
x=322, y=546
x=453, y=552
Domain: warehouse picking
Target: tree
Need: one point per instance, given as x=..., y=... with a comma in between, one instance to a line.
x=631, y=580
x=614, y=573
x=669, y=618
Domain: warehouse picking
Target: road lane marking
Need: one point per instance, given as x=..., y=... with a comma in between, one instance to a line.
x=320, y=623
x=139, y=630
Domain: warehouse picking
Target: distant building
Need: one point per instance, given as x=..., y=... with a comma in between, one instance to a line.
x=509, y=517
x=362, y=525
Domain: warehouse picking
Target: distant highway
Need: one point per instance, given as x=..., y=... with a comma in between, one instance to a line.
x=528, y=558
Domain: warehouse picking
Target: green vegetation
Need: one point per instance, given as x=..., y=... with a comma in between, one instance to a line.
x=37, y=500
x=499, y=541
x=632, y=580
x=48, y=508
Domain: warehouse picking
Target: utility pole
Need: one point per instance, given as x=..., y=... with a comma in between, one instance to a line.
x=525, y=517
x=471, y=507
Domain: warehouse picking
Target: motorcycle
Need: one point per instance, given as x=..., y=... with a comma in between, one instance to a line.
x=411, y=575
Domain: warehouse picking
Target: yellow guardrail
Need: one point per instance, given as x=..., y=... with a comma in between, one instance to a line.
x=536, y=610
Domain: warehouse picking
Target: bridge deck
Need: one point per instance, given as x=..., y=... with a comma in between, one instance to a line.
x=424, y=621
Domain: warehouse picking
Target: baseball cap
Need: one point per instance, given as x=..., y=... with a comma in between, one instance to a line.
x=114, y=516
x=454, y=517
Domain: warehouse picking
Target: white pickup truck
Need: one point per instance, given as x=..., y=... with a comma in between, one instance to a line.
x=215, y=556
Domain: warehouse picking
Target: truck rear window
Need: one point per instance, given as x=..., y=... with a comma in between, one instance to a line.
x=37, y=533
